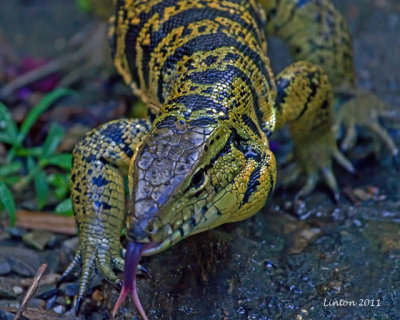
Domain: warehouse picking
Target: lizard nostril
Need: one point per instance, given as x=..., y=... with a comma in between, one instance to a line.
x=138, y=234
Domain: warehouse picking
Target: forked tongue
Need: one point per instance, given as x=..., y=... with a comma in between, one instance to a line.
x=133, y=253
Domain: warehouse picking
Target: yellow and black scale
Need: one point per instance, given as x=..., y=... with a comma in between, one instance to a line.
x=201, y=66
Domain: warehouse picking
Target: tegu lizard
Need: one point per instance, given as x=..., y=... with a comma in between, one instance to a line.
x=202, y=68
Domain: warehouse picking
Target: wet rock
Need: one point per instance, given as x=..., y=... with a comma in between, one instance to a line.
x=301, y=239
x=385, y=234
x=67, y=252
x=69, y=289
x=4, y=304
x=4, y=266
x=51, y=257
x=50, y=302
x=36, y=303
x=4, y=235
x=215, y=273
x=38, y=239
x=4, y=315
x=16, y=232
x=47, y=279
x=22, y=261
x=46, y=291
x=7, y=286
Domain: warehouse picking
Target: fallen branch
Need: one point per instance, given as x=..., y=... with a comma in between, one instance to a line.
x=31, y=291
x=45, y=221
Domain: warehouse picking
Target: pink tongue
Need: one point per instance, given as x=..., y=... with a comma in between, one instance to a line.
x=133, y=253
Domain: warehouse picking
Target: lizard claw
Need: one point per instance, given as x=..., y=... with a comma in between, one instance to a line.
x=93, y=255
x=364, y=110
x=315, y=159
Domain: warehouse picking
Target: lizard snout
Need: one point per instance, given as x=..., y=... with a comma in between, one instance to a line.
x=147, y=231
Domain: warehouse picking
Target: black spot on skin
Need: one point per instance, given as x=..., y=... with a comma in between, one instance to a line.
x=302, y=3
x=167, y=122
x=202, y=122
x=192, y=222
x=100, y=181
x=103, y=205
x=251, y=124
x=252, y=184
x=206, y=43
x=210, y=60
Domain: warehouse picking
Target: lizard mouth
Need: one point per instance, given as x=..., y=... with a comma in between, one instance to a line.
x=189, y=227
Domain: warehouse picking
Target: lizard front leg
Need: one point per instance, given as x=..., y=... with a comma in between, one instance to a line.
x=100, y=162
x=304, y=100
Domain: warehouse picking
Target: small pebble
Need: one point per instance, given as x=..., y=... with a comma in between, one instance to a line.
x=59, y=309
x=38, y=239
x=17, y=290
x=51, y=302
x=36, y=303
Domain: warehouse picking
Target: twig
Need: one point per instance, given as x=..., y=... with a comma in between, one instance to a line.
x=42, y=72
x=90, y=50
x=46, y=221
x=30, y=291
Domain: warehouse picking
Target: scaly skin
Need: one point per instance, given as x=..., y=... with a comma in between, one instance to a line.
x=202, y=69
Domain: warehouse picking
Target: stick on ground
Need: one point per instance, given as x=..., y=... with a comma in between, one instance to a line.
x=31, y=291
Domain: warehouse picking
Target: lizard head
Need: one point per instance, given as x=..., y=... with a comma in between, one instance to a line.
x=188, y=177
x=191, y=176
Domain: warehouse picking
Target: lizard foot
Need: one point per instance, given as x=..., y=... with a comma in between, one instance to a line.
x=314, y=159
x=364, y=110
x=98, y=256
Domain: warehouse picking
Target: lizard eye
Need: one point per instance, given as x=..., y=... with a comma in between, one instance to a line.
x=198, y=182
x=198, y=179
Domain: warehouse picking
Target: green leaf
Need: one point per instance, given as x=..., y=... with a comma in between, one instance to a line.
x=56, y=179
x=65, y=207
x=5, y=138
x=31, y=164
x=84, y=5
x=25, y=152
x=8, y=128
x=36, y=112
x=41, y=187
x=11, y=168
x=52, y=141
x=60, y=182
x=7, y=200
x=62, y=160
x=11, y=180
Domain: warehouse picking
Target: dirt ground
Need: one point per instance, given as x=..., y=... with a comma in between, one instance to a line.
x=293, y=260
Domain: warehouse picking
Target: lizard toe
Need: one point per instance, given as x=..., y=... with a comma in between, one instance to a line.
x=88, y=268
x=73, y=266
